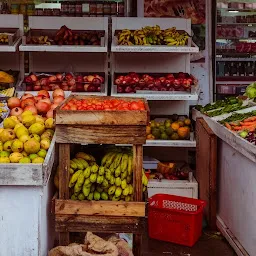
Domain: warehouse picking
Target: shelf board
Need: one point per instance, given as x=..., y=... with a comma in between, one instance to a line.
x=237, y=24
x=10, y=48
x=234, y=82
x=159, y=96
x=63, y=48
x=237, y=10
x=236, y=38
x=155, y=49
x=235, y=59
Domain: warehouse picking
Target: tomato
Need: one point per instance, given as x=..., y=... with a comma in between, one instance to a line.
x=80, y=108
x=73, y=108
x=66, y=107
x=134, y=106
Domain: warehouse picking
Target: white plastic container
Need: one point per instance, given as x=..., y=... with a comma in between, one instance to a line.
x=174, y=187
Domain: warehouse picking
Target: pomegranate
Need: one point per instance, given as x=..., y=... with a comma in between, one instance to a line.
x=54, y=105
x=55, y=86
x=52, y=79
x=27, y=102
x=46, y=88
x=58, y=99
x=42, y=107
x=49, y=113
x=32, y=109
x=27, y=95
x=44, y=81
x=71, y=82
x=46, y=100
x=44, y=93
x=13, y=102
x=40, y=97
x=33, y=78
x=58, y=92
x=16, y=111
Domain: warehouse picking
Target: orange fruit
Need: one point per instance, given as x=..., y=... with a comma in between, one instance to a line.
x=175, y=126
x=187, y=121
x=174, y=136
x=183, y=132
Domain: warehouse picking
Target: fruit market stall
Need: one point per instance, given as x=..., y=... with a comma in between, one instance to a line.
x=234, y=124
x=101, y=120
x=67, y=53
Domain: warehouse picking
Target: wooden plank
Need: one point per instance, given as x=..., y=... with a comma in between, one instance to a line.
x=206, y=169
x=100, y=134
x=101, y=208
x=137, y=172
x=99, y=117
x=64, y=162
x=84, y=223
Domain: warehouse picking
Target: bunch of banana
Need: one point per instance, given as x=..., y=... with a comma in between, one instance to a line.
x=4, y=39
x=7, y=92
x=173, y=37
x=110, y=181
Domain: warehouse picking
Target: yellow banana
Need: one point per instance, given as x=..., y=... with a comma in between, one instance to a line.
x=74, y=178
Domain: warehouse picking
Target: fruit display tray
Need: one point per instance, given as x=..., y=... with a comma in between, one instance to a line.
x=13, y=35
x=52, y=32
x=71, y=84
x=28, y=174
x=136, y=87
x=101, y=127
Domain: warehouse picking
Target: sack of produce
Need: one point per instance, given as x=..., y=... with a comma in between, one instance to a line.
x=92, y=246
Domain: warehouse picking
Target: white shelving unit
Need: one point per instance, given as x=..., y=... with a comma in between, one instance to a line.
x=10, y=57
x=54, y=58
x=155, y=59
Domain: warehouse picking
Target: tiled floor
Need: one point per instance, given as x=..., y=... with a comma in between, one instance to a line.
x=206, y=246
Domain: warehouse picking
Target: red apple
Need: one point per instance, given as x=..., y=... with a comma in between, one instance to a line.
x=37, y=87
x=128, y=89
x=96, y=81
x=58, y=92
x=71, y=82
x=79, y=87
x=170, y=76
x=142, y=83
x=91, y=88
x=59, y=77
x=158, y=82
x=33, y=78
x=44, y=81
x=90, y=78
x=150, y=86
x=163, y=80
x=13, y=102
x=79, y=79
x=102, y=80
x=120, y=89
x=29, y=88
x=52, y=79
x=46, y=88
x=181, y=75
x=163, y=89
x=99, y=88
x=154, y=89
x=28, y=80
x=65, y=87
x=176, y=84
x=85, y=79
x=43, y=93
x=55, y=87
x=86, y=87
x=186, y=84
x=69, y=76
x=72, y=88
x=118, y=81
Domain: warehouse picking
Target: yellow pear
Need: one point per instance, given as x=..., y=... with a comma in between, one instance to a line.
x=8, y=146
x=4, y=154
x=4, y=159
x=45, y=144
x=31, y=146
x=27, y=112
x=28, y=120
x=24, y=138
x=24, y=153
x=15, y=118
x=15, y=157
x=36, y=137
x=18, y=126
x=25, y=160
x=39, y=119
x=1, y=129
x=7, y=134
x=38, y=160
x=17, y=146
x=49, y=123
x=46, y=135
x=36, y=128
x=9, y=123
x=21, y=131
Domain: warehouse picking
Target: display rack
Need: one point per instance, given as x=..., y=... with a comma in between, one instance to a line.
x=13, y=59
x=68, y=58
x=99, y=127
x=155, y=59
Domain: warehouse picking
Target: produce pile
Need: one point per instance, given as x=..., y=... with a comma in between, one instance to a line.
x=111, y=180
x=65, y=36
x=6, y=78
x=244, y=124
x=40, y=104
x=65, y=81
x=133, y=82
x=107, y=105
x=25, y=138
x=174, y=128
x=4, y=38
x=250, y=91
x=220, y=107
x=153, y=36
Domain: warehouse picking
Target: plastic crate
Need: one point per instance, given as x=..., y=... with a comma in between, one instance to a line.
x=175, y=219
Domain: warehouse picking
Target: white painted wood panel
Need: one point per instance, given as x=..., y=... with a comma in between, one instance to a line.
x=236, y=197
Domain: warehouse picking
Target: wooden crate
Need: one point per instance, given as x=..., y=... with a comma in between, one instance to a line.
x=101, y=127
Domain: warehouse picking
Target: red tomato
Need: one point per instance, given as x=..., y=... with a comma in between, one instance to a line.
x=134, y=106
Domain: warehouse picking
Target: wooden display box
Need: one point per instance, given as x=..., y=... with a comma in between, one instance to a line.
x=13, y=35
x=101, y=127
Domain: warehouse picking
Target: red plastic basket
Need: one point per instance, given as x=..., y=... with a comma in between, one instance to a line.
x=175, y=219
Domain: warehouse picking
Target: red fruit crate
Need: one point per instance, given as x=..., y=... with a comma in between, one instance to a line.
x=175, y=219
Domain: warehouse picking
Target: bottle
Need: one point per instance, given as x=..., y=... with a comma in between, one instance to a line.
x=249, y=69
x=226, y=69
x=241, y=69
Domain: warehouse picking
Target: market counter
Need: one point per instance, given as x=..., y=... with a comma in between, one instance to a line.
x=26, y=190
x=236, y=188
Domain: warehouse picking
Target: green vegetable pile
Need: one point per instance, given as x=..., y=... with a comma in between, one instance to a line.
x=238, y=117
x=250, y=91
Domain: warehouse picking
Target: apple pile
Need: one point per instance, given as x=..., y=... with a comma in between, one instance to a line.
x=40, y=104
x=132, y=82
x=66, y=82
